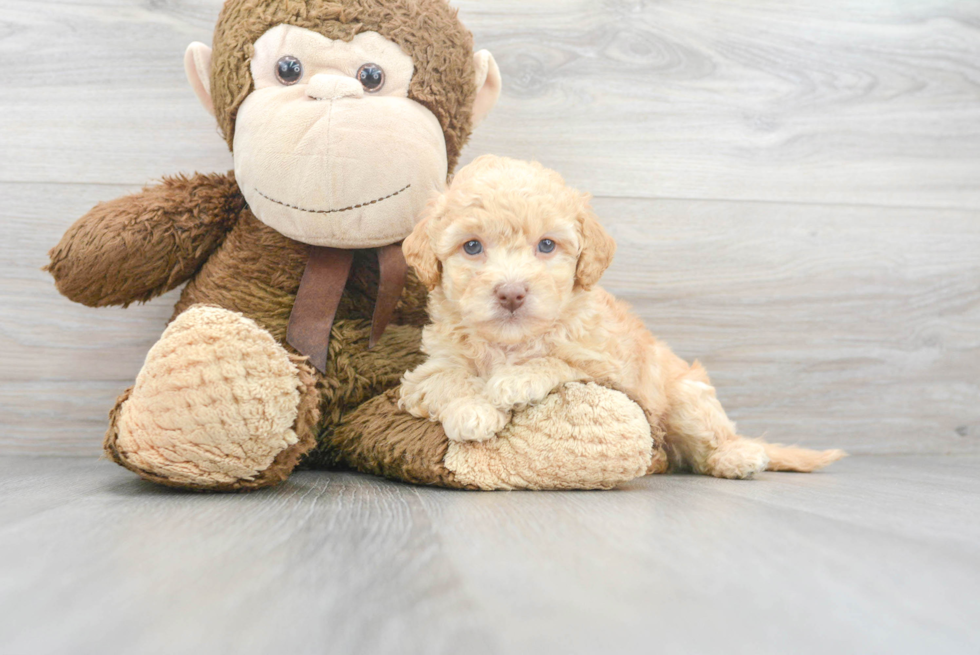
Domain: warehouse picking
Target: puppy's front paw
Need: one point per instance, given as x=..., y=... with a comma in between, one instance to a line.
x=513, y=389
x=411, y=399
x=473, y=419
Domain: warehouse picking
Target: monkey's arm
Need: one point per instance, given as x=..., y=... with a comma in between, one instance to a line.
x=140, y=246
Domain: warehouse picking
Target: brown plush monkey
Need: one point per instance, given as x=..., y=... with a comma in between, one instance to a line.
x=343, y=117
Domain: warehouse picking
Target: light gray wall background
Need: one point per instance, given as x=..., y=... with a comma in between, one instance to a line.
x=794, y=186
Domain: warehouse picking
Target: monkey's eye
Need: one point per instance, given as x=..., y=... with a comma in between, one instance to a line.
x=546, y=246
x=289, y=70
x=371, y=77
x=473, y=247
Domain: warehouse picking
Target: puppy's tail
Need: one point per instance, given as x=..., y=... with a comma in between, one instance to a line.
x=802, y=460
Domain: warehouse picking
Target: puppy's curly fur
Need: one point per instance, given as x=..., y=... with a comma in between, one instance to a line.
x=511, y=256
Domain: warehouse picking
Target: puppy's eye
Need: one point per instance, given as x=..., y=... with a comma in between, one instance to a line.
x=289, y=70
x=546, y=246
x=473, y=247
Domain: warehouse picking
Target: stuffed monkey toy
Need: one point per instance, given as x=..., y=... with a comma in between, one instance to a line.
x=299, y=315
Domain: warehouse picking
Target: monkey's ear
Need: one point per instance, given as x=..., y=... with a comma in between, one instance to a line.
x=598, y=247
x=488, y=85
x=197, y=65
x=418, y=251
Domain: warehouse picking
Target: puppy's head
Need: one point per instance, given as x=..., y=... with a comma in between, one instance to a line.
x=506, y=246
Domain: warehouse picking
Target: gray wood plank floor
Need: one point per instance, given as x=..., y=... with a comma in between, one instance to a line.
x=876, y=555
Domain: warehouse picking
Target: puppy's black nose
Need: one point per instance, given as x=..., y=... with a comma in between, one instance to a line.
x=511, y=296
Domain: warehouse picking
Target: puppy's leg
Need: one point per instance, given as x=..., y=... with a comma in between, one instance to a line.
x=426, y=389
x=453, y=396
x=472, y=418
x=515, y=386
x=700, y=434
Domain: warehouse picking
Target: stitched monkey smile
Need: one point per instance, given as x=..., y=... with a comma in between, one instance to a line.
x=334, y=211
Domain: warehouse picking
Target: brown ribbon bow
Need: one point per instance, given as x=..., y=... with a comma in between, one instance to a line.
x=322, y=287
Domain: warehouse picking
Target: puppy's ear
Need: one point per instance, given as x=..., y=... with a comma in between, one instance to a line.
x=598, y=247
x=418, y=251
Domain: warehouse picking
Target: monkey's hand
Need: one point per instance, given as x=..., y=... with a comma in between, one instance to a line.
x=140, y=246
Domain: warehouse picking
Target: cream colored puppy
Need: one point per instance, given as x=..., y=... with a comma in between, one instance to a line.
x=511, y=257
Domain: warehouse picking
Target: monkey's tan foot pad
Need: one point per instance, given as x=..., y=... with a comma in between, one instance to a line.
x=582, y=436
x=219, y=405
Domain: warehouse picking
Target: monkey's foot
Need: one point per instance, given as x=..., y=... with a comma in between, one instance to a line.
x=582, y=436
x=219, y=405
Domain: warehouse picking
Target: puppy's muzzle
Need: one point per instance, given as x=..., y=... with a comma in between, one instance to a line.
x=511, y=296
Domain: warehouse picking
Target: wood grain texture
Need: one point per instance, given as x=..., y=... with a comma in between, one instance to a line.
x=877, y=555
x=776, y=177
x=846, y=101
x=99, y=93
x=821, y=325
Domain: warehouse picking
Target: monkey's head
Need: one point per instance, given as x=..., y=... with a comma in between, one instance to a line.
x=343, y=116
